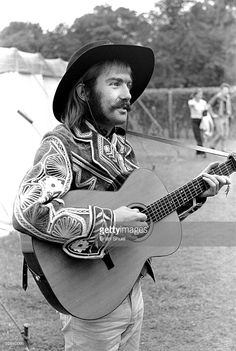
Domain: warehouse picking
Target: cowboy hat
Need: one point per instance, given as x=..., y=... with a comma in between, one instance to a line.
x=139, y=58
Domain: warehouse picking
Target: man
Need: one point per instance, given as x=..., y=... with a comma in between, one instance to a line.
x=221, y=111
x=197, y=106
x=88, y=151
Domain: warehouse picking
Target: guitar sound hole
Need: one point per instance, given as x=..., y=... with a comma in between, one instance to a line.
x=143, y=232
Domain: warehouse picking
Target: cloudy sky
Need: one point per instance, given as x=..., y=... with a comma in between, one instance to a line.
x=49, y=13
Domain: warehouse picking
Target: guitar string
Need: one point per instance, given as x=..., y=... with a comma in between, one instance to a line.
x=174, y=200
x=189, y=192
x=194, y=188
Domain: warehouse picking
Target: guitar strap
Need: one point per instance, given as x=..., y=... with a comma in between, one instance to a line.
x=107, y=260
x=179, y=144
x=25, y=275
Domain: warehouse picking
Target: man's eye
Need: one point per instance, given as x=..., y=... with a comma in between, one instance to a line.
x=116, y=83
x=129, y=86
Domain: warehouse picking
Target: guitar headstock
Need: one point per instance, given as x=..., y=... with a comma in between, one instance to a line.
x=232, y=157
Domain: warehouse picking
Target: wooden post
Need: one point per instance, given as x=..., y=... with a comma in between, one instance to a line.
x=25, y=335
x=150, y=116
x=170, y=114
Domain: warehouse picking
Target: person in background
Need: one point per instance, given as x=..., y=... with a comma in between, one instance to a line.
x=197, y=106
x=220, y=108
x=89, y=150
x=206, y=127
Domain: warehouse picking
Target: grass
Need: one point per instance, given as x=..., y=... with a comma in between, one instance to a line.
x=193, y=305
x=25, y=307
x=190, y=307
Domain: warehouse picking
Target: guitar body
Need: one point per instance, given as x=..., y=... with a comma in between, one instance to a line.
x=86, y=288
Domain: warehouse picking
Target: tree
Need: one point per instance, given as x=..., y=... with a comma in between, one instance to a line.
x=121, y=25
x=189, y=51
x=57, y=43
x=24, y=36
x=193, y=41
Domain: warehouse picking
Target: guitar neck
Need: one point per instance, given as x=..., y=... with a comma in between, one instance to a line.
x=172, y=201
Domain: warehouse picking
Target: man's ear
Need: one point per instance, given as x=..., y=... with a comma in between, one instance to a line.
x=81, y=91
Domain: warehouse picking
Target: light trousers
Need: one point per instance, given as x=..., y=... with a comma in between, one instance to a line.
x=118, y=331
x=222, y=132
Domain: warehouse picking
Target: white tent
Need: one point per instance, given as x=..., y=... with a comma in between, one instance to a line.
x=27, y=85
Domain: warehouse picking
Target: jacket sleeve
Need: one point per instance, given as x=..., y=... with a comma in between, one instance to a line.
x=39, y=209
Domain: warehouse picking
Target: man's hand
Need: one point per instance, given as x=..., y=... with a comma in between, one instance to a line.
x=215, y=182
x=130, y=221
x=125, y=214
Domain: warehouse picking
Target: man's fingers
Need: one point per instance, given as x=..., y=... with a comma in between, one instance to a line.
x=211, y=166
x=215, y=183
x=217, y=179
x=140, y=216
x=214, y=186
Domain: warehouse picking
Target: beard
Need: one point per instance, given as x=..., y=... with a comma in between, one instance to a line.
x=97, y=113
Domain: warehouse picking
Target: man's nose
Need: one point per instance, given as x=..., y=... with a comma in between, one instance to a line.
x=125, y=92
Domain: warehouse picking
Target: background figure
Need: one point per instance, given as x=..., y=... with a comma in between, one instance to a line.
x=221, y=109
x=206, y=126
x=197, y=105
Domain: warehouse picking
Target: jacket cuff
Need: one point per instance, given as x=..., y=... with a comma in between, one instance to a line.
x=94, y=244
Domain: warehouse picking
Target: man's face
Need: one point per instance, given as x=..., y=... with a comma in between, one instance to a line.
x=110, y=98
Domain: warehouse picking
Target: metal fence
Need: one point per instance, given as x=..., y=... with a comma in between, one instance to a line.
x=165, y=112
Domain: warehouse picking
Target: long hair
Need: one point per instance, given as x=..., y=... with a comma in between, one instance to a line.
x=77, y=109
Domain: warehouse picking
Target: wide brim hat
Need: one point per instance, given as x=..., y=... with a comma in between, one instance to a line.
x=140, y=59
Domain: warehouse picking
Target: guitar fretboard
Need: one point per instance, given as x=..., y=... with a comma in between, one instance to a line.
x=172, y=201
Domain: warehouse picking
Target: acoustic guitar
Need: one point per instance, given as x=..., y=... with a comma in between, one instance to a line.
x=90, y=288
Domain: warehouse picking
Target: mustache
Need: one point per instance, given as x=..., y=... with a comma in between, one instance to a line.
x=122, y=104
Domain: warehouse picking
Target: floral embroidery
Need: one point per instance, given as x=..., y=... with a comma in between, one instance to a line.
x=55, y=166
x=79, y=245
x=52, y=186
x=68, y=226
x=30, y=194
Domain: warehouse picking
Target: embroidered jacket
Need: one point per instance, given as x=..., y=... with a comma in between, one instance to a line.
x=66, y=161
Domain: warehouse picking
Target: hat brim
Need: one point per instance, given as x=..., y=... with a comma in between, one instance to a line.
x=140, y=59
